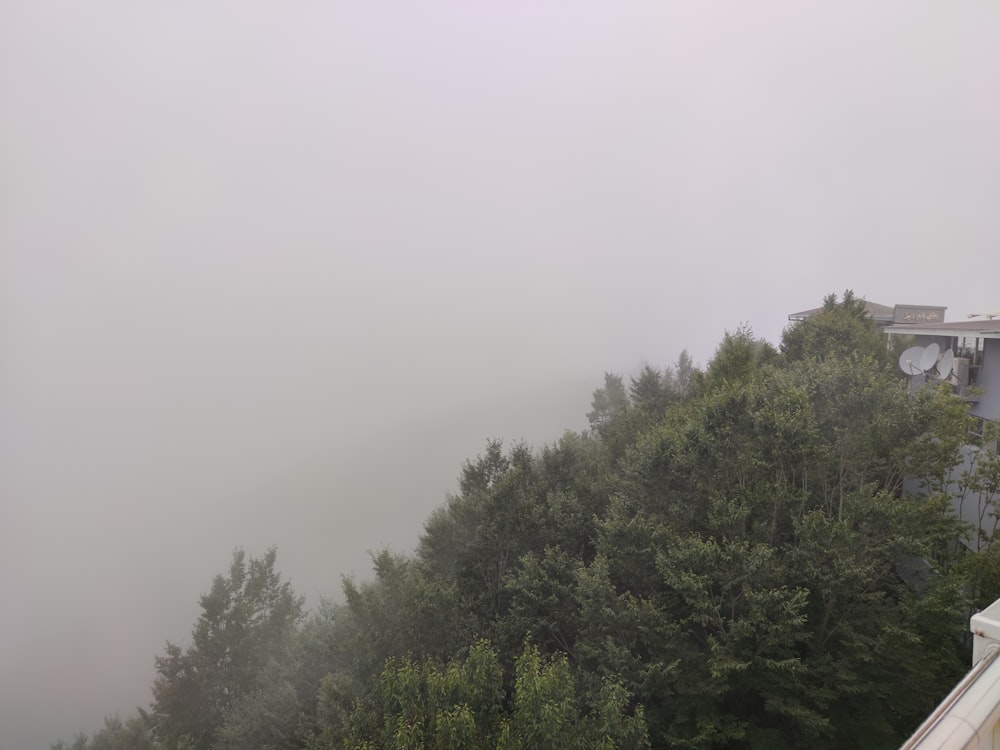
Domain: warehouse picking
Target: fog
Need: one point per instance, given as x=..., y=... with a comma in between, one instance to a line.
x=269, y=272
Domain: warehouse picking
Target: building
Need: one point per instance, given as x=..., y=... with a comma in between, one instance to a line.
x=966, y=356
x=974, y=362
x=884, y=315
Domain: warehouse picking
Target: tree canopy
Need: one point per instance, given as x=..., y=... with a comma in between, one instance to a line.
x=720, y=561
x=243, y=635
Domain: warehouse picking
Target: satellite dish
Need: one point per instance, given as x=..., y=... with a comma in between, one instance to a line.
x=929, y=358
x=909, y=361
x=945, y=364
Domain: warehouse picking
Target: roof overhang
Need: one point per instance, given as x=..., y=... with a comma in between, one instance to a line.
x=978, y=330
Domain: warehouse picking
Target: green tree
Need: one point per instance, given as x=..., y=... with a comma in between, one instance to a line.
x=576, y=480
x=265, y=717
x=842, y=329
x=609, y=416
x=650, y=393
x=684, y=373
x=417, y=704
x=134, y=734
x=404, y=612
x=738, y=358
x=545, y=713
x=461, y=706
x=478, y=538
x=737, y=611
x=865, y=618
x=609, y=403
x=726, y=559
x=79, y=743
x=978, y=483
x=247, y=622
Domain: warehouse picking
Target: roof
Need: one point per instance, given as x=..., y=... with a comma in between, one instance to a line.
x=985, y=329
x=879, y=312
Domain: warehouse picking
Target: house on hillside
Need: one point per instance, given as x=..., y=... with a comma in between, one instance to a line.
x=974, y=369
x=886, y=315
x=966, y=356
x=969, y=717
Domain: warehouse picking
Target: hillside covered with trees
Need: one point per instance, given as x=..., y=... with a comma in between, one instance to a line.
x=725, y=559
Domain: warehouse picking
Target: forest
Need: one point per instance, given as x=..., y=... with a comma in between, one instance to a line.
x=726, y=558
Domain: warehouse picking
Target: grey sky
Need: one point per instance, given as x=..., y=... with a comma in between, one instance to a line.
x=270, y=271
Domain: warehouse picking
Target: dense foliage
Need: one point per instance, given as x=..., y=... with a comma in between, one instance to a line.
x=724, y=560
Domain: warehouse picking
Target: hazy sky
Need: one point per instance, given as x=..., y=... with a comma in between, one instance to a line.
x=270, y=271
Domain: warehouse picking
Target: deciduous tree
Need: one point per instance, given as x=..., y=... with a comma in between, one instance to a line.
x=247, y=622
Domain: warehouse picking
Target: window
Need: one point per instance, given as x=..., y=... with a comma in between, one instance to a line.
x=970, y=348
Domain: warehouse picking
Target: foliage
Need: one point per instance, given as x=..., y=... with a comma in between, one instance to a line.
x=976, y=483
x=462, y=705
x=841, y=330
x=650, y=393
x=727, y=558
x=739, y=358
x=609, y=417
x=610, y=403
x=403, y=612
x=683, y=375
x=247, y=624
x=134, y=734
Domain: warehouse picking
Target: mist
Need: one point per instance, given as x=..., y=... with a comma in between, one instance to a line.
x=269, y=273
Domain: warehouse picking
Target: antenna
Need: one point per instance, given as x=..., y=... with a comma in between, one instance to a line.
x=945, y=364
x=929, y=357
x=909, y=361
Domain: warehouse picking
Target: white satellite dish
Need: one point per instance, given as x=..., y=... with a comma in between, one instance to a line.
x=930, y=356
x=909, y=361
x=945, y=364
